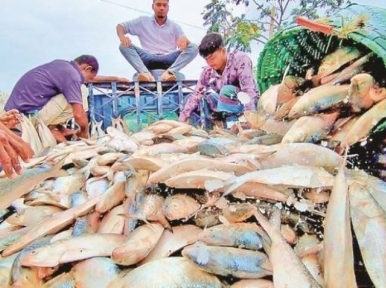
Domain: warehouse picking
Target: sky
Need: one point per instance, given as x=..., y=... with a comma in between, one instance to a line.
x=34, y=32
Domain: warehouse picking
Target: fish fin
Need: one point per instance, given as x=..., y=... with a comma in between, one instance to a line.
x=43, y=152
x=86, y=171
x=133, y=216
x=223, y=220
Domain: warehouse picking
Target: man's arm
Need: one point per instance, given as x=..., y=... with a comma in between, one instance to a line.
x=102, y=78
x=182, y=40
x=195, y=98
x=128, y=27
x=125, y=40
x=81, y=119
x=247, y=81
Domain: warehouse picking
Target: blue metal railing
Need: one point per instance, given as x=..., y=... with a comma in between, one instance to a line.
x=112, y=100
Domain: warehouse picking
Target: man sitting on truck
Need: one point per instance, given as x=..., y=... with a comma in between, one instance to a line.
x=159, y=37
x=220, y=82
x=56, y=92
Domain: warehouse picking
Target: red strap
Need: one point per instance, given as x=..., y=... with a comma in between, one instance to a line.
x=313, y=25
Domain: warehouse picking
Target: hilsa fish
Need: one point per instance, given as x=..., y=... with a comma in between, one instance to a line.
x=319, y=99
x=338, y=264
x=336, y=59
x=288, y=269
x=310, y=129
x=12, y=189
x=228, y=261
x=166, y=273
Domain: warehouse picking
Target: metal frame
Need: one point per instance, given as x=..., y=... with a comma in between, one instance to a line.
x=157, y=89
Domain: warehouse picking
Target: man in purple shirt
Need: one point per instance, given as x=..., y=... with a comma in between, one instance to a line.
x=159, y=37
x=226, y=75
x=53, y=91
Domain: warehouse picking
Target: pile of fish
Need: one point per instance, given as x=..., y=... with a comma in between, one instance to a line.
x=338, y=107
x=176, y=206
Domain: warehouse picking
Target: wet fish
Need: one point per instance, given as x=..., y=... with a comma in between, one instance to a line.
x=239, y=235
x=17, y=278
x=50, y=225
x=113, y=195
x=170, y=242
x=12, y=189
x=149, y=207
x=72, y=249
x=307, y=154
x=32, y=215
x=331, y=62
x=268, y=100
x=180, y=206
x=167, y=273
x=200, y=179
x=195, y=163
x=284, y=109
x=338, y=266
x=352, y=70
x=359, y=97
x=138, y=244
x=228, y=261
x=369, y=223
x=288, y=270
x=319, y=99
x=252, y=283
x=95, y=272
x=302, y=176
x=113, y=221
x=339, y=132
x=310, y=129
x=364, y=124
x=64, y=280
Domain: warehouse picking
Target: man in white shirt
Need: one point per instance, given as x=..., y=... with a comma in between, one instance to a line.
x=164, y=44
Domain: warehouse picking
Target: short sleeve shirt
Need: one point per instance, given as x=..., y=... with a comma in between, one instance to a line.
x=36, y=87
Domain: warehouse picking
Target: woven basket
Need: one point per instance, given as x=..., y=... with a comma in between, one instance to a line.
x=301, y=48
x=298, y=48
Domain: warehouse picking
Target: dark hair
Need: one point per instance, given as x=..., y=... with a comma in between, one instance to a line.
x=89, y=60
x=210, y=43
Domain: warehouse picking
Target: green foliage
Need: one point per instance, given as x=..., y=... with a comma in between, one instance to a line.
x=272, y=16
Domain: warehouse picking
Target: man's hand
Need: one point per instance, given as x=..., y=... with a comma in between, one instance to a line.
x=80, y=117
x=82, y=134
x=182, y=43
x=123, y=80
x=183, y=119
x=10, y=118
x=11, y=148
x=125, y=41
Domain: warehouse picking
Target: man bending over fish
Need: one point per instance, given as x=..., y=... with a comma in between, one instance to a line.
x=55, y=92
x=220, y=82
